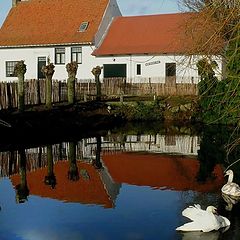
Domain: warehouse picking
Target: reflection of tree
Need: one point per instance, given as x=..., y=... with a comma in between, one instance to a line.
x=73, y=174
x=39, y=157
x=213, y=150
x=22, y=190
x=50, y=179
x=97, y=161
x=12, y=160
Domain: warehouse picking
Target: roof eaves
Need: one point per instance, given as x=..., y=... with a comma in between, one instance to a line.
x=45, y=45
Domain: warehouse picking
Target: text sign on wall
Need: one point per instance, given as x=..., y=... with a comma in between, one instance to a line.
x=152, y=63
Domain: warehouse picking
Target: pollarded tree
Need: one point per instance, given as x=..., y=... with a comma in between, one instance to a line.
x=19, y=71
x=72, y=72
x=97, y=72
x=48, y=72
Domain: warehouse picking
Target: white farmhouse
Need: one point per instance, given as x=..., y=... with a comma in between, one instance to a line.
x=61, y=30
x=150, y=48
x=143, y=49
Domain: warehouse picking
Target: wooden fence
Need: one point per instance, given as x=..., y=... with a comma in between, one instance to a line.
x=111, y=87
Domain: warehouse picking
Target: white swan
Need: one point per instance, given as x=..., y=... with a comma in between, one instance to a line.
x=203, y=220
x=231, y=188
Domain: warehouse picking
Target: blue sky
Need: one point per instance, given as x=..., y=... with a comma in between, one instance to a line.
x=127, y=7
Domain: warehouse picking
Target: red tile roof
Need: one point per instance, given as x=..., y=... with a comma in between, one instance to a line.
x=43, y=22
x=154, y=34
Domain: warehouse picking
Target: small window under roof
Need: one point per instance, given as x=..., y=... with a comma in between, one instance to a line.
x=83, y=26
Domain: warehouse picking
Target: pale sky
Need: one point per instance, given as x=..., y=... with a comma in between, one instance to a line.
x=127, y=7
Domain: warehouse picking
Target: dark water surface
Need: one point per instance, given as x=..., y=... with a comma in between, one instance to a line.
x=129, y=183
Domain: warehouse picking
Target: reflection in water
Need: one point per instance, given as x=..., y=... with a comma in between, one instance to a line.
x=217, y=146
x=230, y=200
x=22, y=190
x=97, y=162
x=73, y=174
x=201, y=235
x=182, y=169
x=50, y=179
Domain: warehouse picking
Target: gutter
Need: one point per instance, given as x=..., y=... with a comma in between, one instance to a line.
x=46, y=45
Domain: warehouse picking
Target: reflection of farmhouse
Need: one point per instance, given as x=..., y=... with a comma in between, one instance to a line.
x=141, y=48
x=122, y=163
x=161, y=172
x=97, y=188
x=176, y=144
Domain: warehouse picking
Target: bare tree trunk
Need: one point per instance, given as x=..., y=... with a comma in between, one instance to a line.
x=97, y=72
x=19, y=71
x=48, y=72
x=72, y=72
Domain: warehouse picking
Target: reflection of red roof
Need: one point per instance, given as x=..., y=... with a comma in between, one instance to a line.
x=160, y=171
x=89, y=191
x=51, y=22
x=153, y=34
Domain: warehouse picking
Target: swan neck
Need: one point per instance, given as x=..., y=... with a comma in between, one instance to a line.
x=230, y=177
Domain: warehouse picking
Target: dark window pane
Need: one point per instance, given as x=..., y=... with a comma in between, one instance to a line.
x=59, y=55
x=76, y=54
x=139, y=69
x=10, y=68
x=170, y=69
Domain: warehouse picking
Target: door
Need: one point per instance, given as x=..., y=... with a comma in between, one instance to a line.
x=170, y=73
x=41, y=63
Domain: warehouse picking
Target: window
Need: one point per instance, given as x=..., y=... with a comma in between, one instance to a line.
x=83, y=27
x=10, y=68
x=170, y=69
x=76, y=54
x=139, y=69
x=59, y=55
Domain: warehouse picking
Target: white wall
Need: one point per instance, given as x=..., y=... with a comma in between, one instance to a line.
x=151, y=66
x=154, y=67
x=30, y=57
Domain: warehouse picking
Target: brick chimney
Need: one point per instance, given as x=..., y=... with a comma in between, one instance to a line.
x=15, y=2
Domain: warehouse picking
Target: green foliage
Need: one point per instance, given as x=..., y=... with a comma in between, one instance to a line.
x=141, y=111
x=233, y=58
x=208, y=79
x=219, y=100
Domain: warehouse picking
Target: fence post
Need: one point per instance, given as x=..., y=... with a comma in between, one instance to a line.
x=121, y=97
x=19, y=71
x=48, y=72
x=72, y=72
x=38, y=92
x=9, y=96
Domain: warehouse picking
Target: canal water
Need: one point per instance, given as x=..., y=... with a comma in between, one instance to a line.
x=130, y=183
